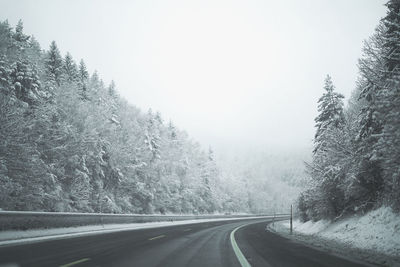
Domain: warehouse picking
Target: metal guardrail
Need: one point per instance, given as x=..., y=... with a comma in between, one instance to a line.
x=23, y=220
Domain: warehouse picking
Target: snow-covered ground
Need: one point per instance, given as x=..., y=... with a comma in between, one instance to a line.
x=373, y=237
x=36, y=235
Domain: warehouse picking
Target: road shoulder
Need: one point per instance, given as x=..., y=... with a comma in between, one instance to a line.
x=341, y=249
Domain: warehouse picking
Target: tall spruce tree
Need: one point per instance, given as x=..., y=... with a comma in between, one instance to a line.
x=325, y=197
x=111, y=89
x=83, y=76
x=54, y=64
x=70, y=69
x=330, y=108
x=20, y=40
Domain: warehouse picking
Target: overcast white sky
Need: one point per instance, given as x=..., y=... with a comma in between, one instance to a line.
x=231, y=73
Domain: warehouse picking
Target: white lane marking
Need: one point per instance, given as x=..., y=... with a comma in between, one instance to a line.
x=187, y=230
x=157, y=237
x=242, y=259
x=75, y=262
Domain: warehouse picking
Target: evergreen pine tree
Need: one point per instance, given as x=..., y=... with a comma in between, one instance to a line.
x=330, y=108
x=54, y=64
x=5, y=37
x=83, y=76
x=111, y=89
x=70, y=69
x=325, y=197
x=34, y=52
x=153, y=135
x=4, y=76
x=19, y=35
x=20, y=39
x=26, y=82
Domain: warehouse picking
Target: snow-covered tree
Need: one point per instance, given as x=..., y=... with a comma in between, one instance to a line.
x=330, y=108
x=83, y=76
x=4, y=75
x=54, y=65
x=325, y=197
x=19, y=35
x=34, y=52
x=20, y=40
x=359, y=162
x=388, y=145
x=111, y=89
x=153, y=135
x=70, y=69
x=25, y=81
x=59, y=153
x=5, y=37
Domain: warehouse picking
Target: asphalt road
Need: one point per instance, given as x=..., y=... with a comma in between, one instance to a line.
x=201, y=244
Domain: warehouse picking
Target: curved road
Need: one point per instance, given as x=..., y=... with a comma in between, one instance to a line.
x=200, y=244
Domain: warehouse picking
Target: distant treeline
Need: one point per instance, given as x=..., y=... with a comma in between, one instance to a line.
x=356, y=159
x=68, y=142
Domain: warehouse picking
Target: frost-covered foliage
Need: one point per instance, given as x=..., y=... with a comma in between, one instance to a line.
x=70, y=143
x=331, y=116
x=358, y=167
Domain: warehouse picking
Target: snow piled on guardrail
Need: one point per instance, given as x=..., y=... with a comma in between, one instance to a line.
x=10, y=220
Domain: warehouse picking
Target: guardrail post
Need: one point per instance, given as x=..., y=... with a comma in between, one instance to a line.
x=291, y=219
x=273, y=220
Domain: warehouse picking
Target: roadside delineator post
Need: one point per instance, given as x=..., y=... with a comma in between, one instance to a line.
x=291, y=219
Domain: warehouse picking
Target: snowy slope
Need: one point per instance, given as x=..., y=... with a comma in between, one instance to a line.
x=374, y=237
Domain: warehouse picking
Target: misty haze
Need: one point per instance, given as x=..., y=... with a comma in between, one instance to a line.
x=199, y=133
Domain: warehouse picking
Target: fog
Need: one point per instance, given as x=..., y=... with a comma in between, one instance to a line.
x=231, y=73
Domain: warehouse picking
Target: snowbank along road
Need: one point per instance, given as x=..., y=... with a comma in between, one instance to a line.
x=219, y=243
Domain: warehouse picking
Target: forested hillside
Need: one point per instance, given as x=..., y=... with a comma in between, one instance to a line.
x=356, y=159
x=270, y=180
x=68, y=142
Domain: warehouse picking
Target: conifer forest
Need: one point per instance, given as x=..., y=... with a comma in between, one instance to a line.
x=70, y=142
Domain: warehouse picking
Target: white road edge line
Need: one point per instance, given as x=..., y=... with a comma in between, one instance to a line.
x=239, y=255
